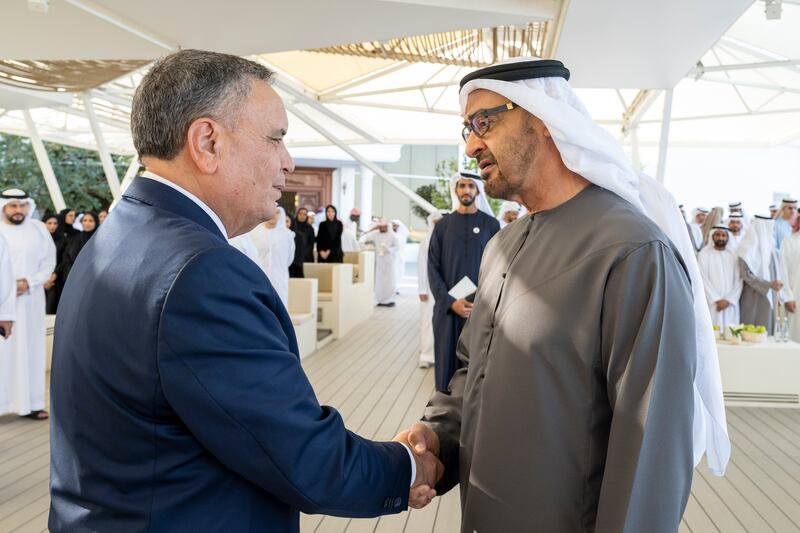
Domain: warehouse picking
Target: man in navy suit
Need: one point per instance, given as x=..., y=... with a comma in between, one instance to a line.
x=178, y=399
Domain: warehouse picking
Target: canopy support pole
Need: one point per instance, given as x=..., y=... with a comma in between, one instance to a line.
x=133, y=168
x=637, y=108
x=664, y=144
x=44, y=163
x=301, y=96
x=554, y=28
x=414, y=197
x=365, y=203
x=112, y=18
x=635, y=156
x=102, y=148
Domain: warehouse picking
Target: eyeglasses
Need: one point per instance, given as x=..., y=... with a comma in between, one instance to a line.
x=479, y=122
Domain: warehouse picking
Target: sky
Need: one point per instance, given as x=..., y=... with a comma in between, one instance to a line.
x=716, y=176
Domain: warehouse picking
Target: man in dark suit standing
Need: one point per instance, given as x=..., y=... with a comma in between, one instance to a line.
x=181, y=405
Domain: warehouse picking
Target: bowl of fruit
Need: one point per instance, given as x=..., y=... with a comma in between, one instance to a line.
x=751, y=333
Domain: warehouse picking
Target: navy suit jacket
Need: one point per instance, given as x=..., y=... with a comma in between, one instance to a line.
x=178, y=399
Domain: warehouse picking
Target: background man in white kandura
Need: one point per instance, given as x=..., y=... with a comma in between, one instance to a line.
x=33, y=257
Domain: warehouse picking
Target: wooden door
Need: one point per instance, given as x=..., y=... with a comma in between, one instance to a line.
x=312, y=187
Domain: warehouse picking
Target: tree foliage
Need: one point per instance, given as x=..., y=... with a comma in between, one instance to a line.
x=439, y=193
x=78, y=171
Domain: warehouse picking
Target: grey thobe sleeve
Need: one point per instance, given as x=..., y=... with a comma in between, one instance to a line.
x=443, y=415
x=649, y=359
x=759, y=285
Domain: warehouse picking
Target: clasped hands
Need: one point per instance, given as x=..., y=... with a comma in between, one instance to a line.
x=22, y=287
x=462, y=308
x=424, y=445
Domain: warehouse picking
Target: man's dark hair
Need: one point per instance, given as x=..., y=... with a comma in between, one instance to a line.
x=185, y=86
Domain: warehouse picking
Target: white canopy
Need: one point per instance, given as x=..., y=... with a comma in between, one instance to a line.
x=625, y=56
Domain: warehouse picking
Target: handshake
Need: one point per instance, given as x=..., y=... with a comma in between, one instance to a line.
x=424, y=444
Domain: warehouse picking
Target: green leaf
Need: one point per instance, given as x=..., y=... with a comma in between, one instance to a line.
x=78, y=171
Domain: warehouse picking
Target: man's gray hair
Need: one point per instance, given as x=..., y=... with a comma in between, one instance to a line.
x=185, y=86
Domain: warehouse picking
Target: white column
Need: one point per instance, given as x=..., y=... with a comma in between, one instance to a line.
x=133, y=168
x=336, y=190
x=664, y=144
x=102, y=148
x=635, y=156
x=44, y=163
x=347, y=190
x=365, y=204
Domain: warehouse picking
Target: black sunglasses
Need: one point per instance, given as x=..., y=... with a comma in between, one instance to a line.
x=479, y=123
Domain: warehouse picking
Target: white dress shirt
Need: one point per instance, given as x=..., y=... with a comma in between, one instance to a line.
x=150, y=175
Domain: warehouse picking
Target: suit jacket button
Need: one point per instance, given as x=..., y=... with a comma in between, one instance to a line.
x=397, y=502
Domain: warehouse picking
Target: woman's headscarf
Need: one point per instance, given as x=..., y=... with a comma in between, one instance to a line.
x=86, y=235
x=57, y=237
x=333, y=227
x=65, y=229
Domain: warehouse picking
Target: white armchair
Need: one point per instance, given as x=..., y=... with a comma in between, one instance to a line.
x=303, y=311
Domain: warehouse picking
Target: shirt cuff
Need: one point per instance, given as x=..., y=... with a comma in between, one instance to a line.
x=413, y=464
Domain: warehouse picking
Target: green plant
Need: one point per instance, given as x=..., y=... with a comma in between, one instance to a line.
x=439, y=193
x=78, y=171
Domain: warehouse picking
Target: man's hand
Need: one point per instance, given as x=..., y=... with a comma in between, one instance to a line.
x=776, y=285
x=50, y=282
x=425, y=445
x=22, y=286
x=324, y=253
x=722, y=305
x=7, y=326
x=423, y=297
x=421, y=438
x=429, y=472
x=462, y=308
x=791, y=306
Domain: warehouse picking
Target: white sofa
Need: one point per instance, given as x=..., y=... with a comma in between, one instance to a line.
x=361, y=304
x=303, y=311
x=345, y=299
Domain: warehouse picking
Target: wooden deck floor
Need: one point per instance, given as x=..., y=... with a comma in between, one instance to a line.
x=371, y=376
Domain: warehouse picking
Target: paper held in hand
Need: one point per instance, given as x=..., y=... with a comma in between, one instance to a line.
x=463, y=288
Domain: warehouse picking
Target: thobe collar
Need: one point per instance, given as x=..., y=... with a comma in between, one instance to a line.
x=16, y=227
x=564, y=205
x=157, y=191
